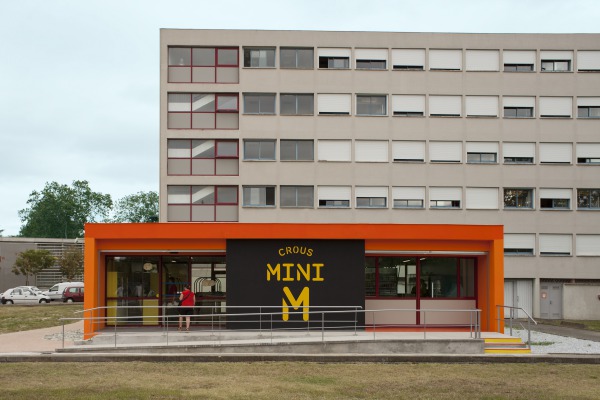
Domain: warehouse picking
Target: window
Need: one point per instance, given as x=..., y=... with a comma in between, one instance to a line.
x=556, y=153
x=445, y=106
x=334, y=196
x=588, y=199
x=447, y=152
x=482, y=152
x=588, y=153
x=259, y=196
x=371, y=151
x=259, y=58
x=519, y=60
x=203, y=65
x=334, y=104
x=335, y=150
x=518, y=198
x=556, y=61
x=296, y=150
x=555, y=199
x=588, y=61
x=408, y=105
x=481, y=106
x=556, y=107
x=445, y=197
x=334, y=58
x=371, y=58
x=482, y=198
x=297, y=104
x=588, y=107
x=371, y=105
x=519, y=244
x=297, y=58
x=449, y=60
x=408, y=197
x=555, y=244
x=371, y=196
x=587, y=245
x=391, y=277
x=202, y=157
x=518, y=153
x=202, y=111
x=408, y=59
x=202, y=203
x=296, y=196
x=408, y=151
x=259, y=149
x=482, y=60
x=518, y=107
x=259, y=103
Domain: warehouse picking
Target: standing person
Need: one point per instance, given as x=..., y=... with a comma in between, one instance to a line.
x=187, y=298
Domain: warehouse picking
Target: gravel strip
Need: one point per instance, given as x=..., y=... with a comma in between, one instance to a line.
x=545, y=343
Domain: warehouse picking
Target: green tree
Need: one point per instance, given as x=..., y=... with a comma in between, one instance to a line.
x=138, y=207
x=31, y=262
x=71, y=262
x=60, y=211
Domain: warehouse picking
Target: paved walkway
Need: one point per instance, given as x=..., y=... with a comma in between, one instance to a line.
x=40, y=340
x=567, y=331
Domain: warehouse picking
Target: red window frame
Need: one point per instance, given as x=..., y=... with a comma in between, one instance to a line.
x=214, y=204
x=215, y=65
x=215, y=157
x=235, y=110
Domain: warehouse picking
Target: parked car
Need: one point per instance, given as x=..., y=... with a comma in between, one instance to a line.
x=56, y=291
x=72, y=293
x=20, y=295
x=34, y=289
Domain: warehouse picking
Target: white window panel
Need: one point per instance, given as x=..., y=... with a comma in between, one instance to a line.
x=408, y=193
x=482, y=147
x=588, y=150
x=519, y=241
x=556, y=152
x=408, y=150
x=556, y=106
x=521, y=101
x=556, y=55
x=335, y=150
x=519, y=57
x=587, y=245
x=588, y=60
x=518, y=149
x=554, y=193
x=481, y=106
x=178, y=194
x=178, y=148
x=483, y=60
x=179, y=102
x=334, y=192
x=371, y=151
x=445, y=59
x=556, y=244
x=588, y=102
x=334, y=103
x=445, y=105
x=445, y=151
x=445, y=193
x=408, y=58
x=482, y=198
x=334, y=52
x=371, y=54
x=371, y=191
x=402, y=103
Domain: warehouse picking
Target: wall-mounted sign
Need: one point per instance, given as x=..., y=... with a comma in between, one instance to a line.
x=296, y=280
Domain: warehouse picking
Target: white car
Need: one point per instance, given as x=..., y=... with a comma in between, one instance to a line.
x=23, y=295
x=34, y=289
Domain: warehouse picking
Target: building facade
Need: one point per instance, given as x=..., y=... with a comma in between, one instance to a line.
x=393, y=128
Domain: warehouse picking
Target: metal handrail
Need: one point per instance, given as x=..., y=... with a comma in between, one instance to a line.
x=512, y=318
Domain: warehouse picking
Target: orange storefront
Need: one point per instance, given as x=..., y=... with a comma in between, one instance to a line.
x=371, y=266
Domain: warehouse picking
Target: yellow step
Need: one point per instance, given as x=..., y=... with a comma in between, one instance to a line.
x=508, y=351
x=503, y=340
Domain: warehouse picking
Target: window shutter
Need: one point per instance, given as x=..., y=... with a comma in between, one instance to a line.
x=334, y=103
x=482, y=147
x=335, y=150
x=408, y=150
x=588, y=102
x=508, y=101
x=550, y=243
x=330, y=52
x=371, y=54
x=547, y=193
x=516, y=149
x=482, y=198
x=445, y=151
x=445, y=105
x=445, y=193
x=445, y=59
x=371, y=151
x=334, y=192
x=519, y=57
x=371, y=191
x=408, y=103
x=408, y=193
x=588, y=150
x=556, y=152
x=413, y=57
x=588, y=60
x=519, y=241
x=556, y=55
x=481, y=106
x=556, y=106
x=483, y=60
x=587, y=245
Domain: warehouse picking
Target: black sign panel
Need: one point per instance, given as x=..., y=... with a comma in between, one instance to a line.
x=297, y=279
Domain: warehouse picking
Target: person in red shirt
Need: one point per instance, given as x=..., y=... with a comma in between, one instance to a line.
x=187, y=300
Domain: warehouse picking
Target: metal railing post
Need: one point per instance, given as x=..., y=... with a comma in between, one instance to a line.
x=63, y=335
x=355, y=321
x=424, y=324
x=322, y=327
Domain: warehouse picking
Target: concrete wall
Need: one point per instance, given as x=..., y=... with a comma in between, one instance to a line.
x=9, y=251
x=581, y=301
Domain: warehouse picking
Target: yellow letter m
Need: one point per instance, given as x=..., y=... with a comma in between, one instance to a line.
x=295, y=303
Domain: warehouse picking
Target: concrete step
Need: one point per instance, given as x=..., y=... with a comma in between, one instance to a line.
x=507, y=345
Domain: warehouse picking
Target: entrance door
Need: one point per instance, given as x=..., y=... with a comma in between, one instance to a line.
x=518, y=293
x=175, y=274
x=551, y=300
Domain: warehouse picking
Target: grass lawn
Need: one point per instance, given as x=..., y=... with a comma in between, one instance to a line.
x=16, y=318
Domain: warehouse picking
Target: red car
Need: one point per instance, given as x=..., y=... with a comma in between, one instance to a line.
x=72, y=293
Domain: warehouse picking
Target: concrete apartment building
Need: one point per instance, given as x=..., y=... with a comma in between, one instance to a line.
x=306, y=127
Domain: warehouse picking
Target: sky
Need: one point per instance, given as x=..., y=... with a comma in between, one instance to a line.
x=79, y=79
